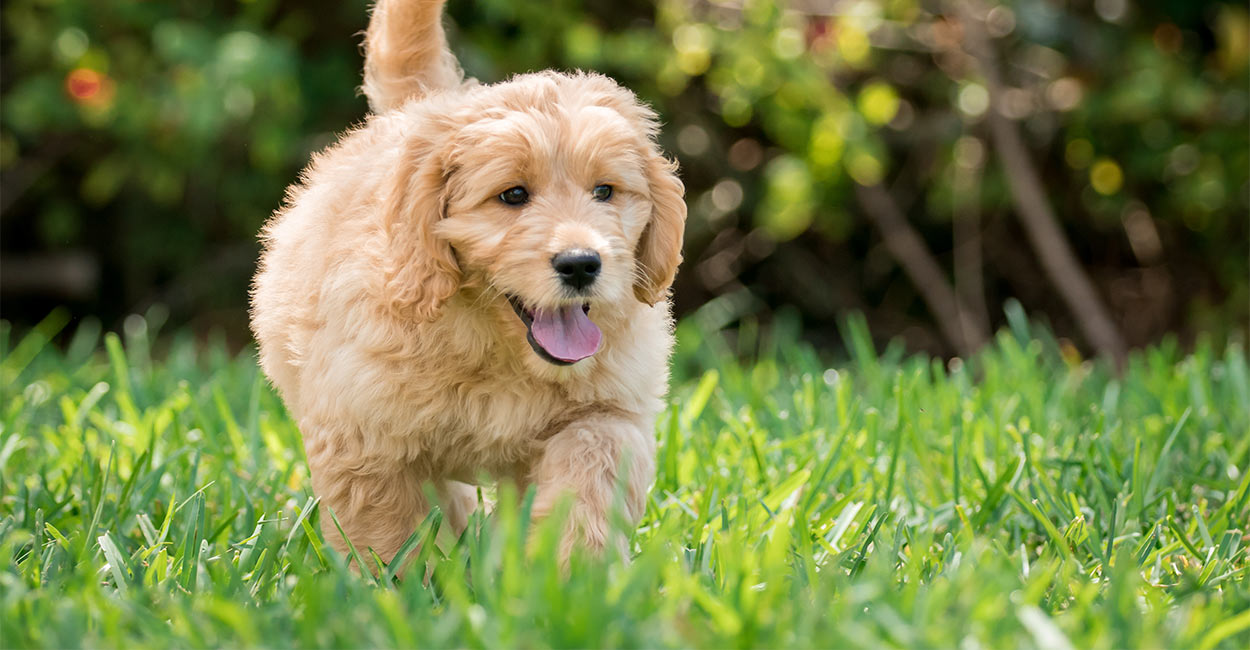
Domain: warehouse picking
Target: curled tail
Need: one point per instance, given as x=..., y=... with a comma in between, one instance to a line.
x=406, y=53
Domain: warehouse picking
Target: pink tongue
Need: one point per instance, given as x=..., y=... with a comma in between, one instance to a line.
x=567, y=333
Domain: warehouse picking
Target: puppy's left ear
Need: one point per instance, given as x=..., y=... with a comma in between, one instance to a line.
x=422, y=270
x=659, y=248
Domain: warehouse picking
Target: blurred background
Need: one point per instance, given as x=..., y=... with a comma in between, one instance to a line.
x=919, y=162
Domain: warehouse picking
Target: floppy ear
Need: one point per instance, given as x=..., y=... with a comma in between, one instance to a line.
x=659, y=248
x=422, y=272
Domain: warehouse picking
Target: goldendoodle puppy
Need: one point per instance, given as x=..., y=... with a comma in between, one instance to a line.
x=474, y=282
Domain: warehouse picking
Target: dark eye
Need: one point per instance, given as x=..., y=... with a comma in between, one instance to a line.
x=602, y=192
x=514, y=195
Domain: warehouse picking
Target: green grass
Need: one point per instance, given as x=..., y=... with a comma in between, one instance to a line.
x=1019, y=499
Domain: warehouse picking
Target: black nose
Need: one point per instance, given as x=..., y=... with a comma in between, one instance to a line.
x=577, y=268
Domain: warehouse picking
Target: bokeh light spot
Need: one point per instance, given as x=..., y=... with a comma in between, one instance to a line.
x=71, y=44
x=727, y=195
x=1000, y=21
x=692, y=139
x=239, y=49
x=1142, y=234
x=878, y=103
x=827, y=142
x=852, y=43
x=1183, y=159
x=89, y=88
x=1112, y=11
x=694, y=63
x=788, y=43
x=693, y=43
x=1064, y=94
x=748, y=72
x=864, y=168
x=746, y=154
x=1106, y=177
x=787, y=209
x=974, y=100
x=1211, y=194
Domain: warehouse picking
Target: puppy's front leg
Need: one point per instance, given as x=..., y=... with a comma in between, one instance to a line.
x=587, y=460
x=378, y=501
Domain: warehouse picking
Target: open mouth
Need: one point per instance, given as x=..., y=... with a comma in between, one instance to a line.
x=561, y=336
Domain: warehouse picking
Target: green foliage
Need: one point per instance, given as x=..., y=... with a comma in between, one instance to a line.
x=160, y=135
x=157, y=136
x=1019, y=498
x=887, y=92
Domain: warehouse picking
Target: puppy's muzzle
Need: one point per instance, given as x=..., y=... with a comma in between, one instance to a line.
x=577, y=268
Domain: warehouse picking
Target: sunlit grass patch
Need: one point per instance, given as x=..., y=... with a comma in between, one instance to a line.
x=1020, y=498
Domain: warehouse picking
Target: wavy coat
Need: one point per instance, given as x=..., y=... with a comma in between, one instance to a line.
x=381, y=306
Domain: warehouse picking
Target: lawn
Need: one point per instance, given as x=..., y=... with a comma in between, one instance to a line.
x=153, y=493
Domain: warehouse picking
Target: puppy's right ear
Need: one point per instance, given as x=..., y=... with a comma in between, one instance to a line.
x=659, y=249
x=421, y=272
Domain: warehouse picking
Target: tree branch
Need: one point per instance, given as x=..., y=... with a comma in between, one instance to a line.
x=1033, y=208
x=966, y=223
x=957, y=323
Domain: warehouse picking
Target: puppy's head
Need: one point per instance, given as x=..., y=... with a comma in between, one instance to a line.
x=546, y=194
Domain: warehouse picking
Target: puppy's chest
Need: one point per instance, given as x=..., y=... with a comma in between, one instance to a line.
x=495, y=422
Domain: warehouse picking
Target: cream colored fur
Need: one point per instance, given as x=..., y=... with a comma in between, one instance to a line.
x=380, y=307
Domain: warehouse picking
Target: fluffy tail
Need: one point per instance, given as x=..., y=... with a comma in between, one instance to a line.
x=406, y=53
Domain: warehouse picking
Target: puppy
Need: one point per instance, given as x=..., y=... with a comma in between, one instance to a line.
x=474, y=282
